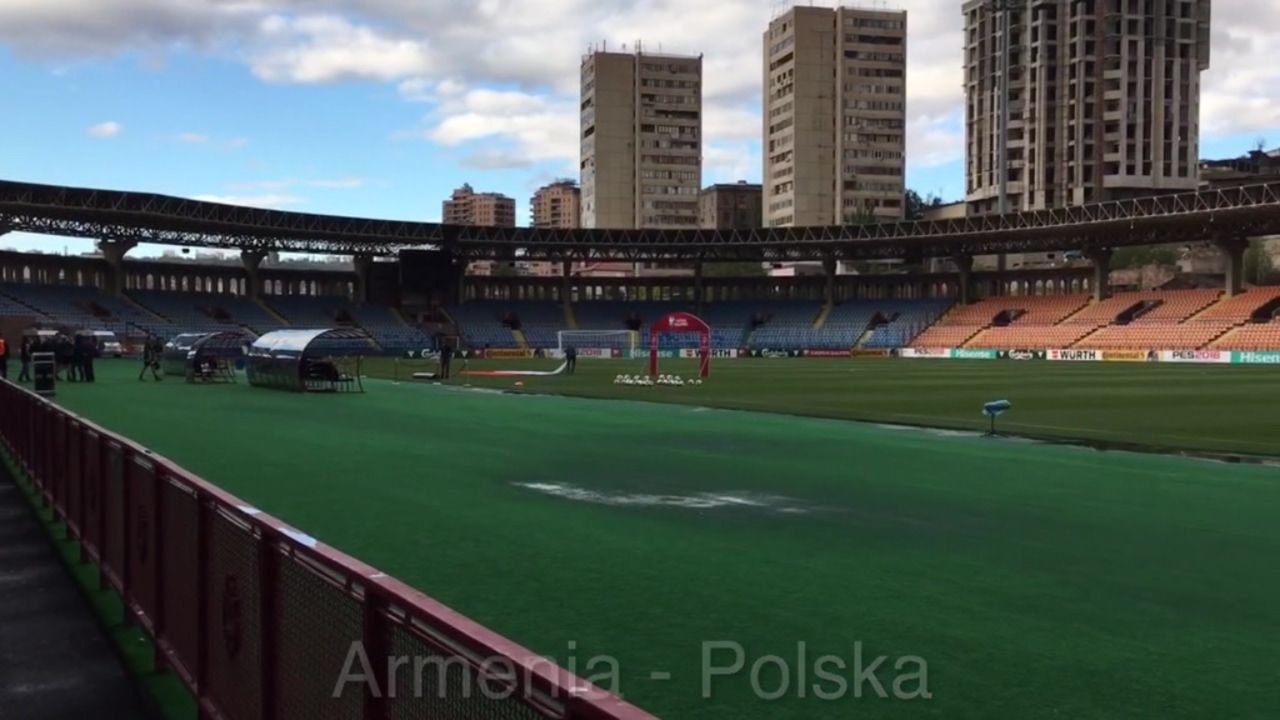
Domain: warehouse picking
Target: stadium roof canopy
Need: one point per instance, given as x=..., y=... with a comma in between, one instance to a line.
x=1247, y=211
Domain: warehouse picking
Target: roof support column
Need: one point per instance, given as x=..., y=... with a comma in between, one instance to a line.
x=252, y=261
x=363, y=266
x=1101, y=259
x=566, y=282
x=113, y=251
x=697, y=286
x=964, y=267
x=829, y=271
x=1233, y=249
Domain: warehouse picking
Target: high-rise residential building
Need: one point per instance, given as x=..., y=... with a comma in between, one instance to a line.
x=557, y=205
x=468, y=207
x=641, y=140
x=1103, y=99
x=731, y=207
x=834, y=116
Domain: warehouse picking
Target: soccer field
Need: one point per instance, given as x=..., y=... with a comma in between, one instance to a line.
x=1034, y=580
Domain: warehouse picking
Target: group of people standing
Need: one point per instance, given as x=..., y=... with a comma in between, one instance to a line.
x=76, y=357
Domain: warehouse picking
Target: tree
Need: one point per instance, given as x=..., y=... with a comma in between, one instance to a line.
x=917, y=205
x=1259, y=269
x=732, y=269
x=1127, y=258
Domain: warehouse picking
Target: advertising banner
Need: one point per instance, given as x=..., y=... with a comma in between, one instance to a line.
x=1196, y=356
x=1130, y=356
x=1075, y=356
x=827, y=353
x=599, y=353
x=723, y=354
x=639, y=354
x=767, y=353
x=974, y=354
x=870, y=353
x=508, y=354
x=1023, y=354
x=1257, y=358
x=925, y=353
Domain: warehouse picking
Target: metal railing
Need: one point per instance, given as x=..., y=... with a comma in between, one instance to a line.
x=257, y=619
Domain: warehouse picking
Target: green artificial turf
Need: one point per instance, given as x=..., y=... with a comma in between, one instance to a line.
x=1230, y=409
x=1036, y=581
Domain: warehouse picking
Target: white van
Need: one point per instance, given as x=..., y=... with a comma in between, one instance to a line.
x=108, y=345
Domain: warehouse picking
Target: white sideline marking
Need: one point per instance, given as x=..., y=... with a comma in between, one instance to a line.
x=700, y=501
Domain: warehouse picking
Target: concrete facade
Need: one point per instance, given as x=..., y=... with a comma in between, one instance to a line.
x=1104, y=100
x=641, y=132
x=467, y=207
x=558, y=205
x=731, y=207
x=834, y=116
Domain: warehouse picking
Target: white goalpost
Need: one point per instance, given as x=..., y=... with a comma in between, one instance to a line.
x=626, y=341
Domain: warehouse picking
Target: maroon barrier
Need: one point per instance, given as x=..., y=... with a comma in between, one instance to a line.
x=257, y=619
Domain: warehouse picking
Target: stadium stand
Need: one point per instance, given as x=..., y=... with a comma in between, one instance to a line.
x=1019, y=337
x=1164, y=306
x=482, y=323
x=203, y=312
x=906, y=319
x=1006, y=323
x=308, y=311
x=789, y=326
x=1251, y=338
x=1255, y=304
x=85, y=308
x=1149, y=336
x=389, y=330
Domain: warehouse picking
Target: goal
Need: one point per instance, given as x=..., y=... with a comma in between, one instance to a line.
x=625, y=341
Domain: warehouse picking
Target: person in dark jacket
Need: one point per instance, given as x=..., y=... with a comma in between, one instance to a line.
x=86, y=359
x=24, y=354
x=446, y=358
x=571, y=359
x=151, y=359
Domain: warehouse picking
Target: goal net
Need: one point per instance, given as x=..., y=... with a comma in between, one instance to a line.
x=585, y=341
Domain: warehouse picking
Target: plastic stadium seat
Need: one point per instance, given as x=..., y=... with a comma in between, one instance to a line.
x=1251, y=338
x=1240, y=309
x=1152, y=336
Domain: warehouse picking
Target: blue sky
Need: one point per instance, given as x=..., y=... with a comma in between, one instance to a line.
x=382, y=107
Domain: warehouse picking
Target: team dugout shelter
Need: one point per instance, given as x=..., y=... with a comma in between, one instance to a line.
x=309, y=360
x=204, y=357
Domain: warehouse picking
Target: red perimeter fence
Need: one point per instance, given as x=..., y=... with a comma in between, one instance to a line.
x=259, y=620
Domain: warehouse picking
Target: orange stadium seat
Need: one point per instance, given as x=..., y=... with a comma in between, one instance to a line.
x=1032, y=337
x=1154, y=336
x=1240, y=309
x=1251, y=338
x=946, y=336
x=1173, y=306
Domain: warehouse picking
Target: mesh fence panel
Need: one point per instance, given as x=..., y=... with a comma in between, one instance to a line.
x=143, y=577
x=75, y=478
x=235, y=649
x=319, y=622
x=114, y=532
x=93, y=494
x=435, y=684
x=178, y=532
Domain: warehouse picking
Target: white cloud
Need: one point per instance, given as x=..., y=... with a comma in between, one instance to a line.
x=258, y=201
x=328, y=48
x=106, y=130
x=348, y=183
x=441, y=51
x=277, y=187
x=540, y=128
x=191, y=138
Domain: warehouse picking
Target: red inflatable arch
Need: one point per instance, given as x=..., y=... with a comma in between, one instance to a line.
x=682, y=323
